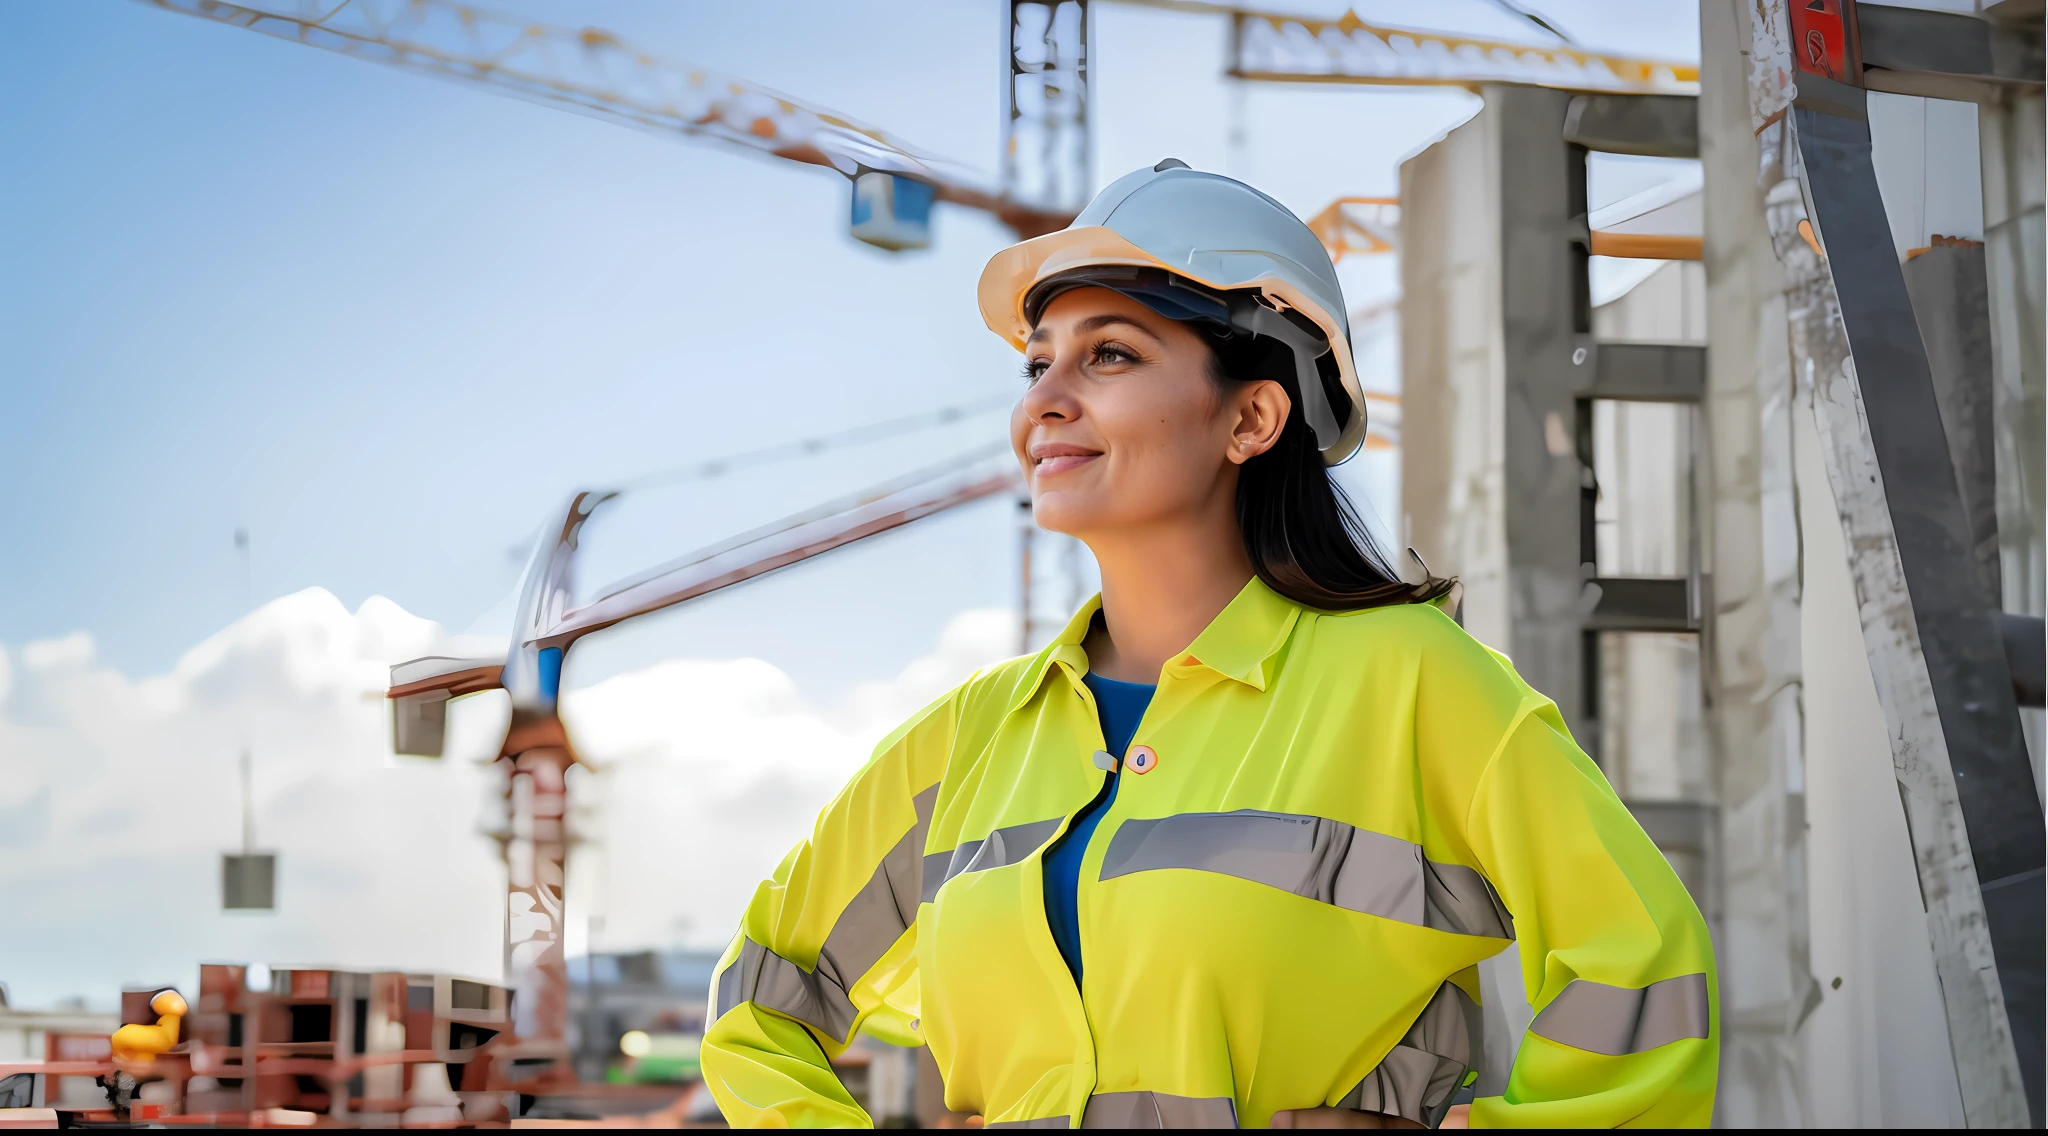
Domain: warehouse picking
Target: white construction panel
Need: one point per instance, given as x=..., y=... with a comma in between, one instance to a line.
x=1925, y=151
x=1876, y=1049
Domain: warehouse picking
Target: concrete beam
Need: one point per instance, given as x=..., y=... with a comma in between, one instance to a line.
x=1649, y=372
x=1624, y=603
x=1944, y=55
x=1658, y=126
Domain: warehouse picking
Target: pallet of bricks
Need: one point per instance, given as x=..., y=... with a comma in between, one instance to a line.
x=325, y=1047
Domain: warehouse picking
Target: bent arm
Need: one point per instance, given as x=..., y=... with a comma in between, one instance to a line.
x=1616, y=959
x=828, y=945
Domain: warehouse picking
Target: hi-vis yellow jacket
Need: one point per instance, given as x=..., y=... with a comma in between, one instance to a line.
x=1347, y=812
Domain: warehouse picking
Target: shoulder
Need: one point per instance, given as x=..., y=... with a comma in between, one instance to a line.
x=1451, y=676
x=985, y=695
x=1419, y=624
x=1420, y=633
x=998, y=686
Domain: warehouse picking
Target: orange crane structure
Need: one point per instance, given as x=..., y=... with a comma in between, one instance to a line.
x=592, y=72
x=536, y=751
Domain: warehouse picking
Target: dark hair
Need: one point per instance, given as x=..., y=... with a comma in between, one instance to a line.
x=1304, y=537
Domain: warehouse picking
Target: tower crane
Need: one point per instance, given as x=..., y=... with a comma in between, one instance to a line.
x=593, y=72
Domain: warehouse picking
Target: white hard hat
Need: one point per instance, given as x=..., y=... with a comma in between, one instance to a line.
x=1203, y=246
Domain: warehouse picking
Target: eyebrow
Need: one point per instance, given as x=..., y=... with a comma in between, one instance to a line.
x=1092, y=323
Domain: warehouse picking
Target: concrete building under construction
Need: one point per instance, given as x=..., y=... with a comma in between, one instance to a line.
x=1768, y=525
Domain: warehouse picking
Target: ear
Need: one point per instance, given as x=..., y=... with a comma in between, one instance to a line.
x=1262, y=408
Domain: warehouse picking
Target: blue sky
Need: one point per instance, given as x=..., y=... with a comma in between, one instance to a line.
x=386, y=322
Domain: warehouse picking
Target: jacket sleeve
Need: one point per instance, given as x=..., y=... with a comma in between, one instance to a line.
x=827, y=948
x=1615, y=957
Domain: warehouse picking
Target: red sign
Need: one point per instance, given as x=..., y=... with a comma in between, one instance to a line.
x=1820, y=37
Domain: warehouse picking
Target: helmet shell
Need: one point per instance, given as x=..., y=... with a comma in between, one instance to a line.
x=1212, y=229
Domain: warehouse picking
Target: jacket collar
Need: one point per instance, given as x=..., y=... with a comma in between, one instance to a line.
x=1244, y=641
x=1241, y=643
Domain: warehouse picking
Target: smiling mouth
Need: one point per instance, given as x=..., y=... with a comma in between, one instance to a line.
x=1061, y=463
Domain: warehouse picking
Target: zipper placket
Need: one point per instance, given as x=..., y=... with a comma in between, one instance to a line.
x=1085, y=1064
x=1109, y=815
x=1115, y=806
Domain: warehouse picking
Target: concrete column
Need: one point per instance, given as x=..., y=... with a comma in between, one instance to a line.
x=1751, y=649
x=1453, y=471
x=1545, y=317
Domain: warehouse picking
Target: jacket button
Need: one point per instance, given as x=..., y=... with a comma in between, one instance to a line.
x=1141, y=759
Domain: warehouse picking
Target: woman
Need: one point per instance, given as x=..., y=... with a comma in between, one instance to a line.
x=1228, y=850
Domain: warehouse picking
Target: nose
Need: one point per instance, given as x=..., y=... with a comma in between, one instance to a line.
x=1051, y=398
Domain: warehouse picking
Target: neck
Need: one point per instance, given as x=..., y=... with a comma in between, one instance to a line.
x=1160, y=587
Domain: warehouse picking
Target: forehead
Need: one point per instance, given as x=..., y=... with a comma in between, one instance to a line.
x=1069, y=310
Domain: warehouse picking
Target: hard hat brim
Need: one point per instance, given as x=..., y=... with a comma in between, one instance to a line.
x=1013, y=272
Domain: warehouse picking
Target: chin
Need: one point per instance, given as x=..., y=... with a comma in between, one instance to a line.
x=1056, y=512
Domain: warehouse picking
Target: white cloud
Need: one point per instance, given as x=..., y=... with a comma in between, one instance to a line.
x=118, y=795
x=75, y=649
x=712, y=770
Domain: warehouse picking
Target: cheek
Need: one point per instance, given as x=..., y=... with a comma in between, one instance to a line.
x=1161, y=434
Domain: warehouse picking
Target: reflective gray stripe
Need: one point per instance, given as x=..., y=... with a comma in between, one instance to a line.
x=1419, y=1077
x=1039, y=1122
x=1158, y=1110
x=877, y=915
x=1104, y=761
x=1001, y=848
x=1321, y=859
x=768, y=980
x=1614, y=1020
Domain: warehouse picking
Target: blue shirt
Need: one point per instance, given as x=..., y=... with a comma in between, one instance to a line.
x=1120, y=705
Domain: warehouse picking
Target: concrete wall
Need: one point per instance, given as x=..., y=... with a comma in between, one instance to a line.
x=1668, y=306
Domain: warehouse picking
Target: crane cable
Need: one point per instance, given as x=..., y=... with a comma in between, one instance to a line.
x=817, y=444
x=714, y=468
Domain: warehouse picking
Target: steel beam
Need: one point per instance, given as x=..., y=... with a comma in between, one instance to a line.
x=1947, y=287
x=2024, y=643
x=1046, y=117
x=1935, y=652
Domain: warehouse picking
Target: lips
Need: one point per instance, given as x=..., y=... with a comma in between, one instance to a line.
x=1048, y=458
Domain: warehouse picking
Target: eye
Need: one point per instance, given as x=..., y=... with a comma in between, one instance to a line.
x=1035, y=369
x=1113, y=354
